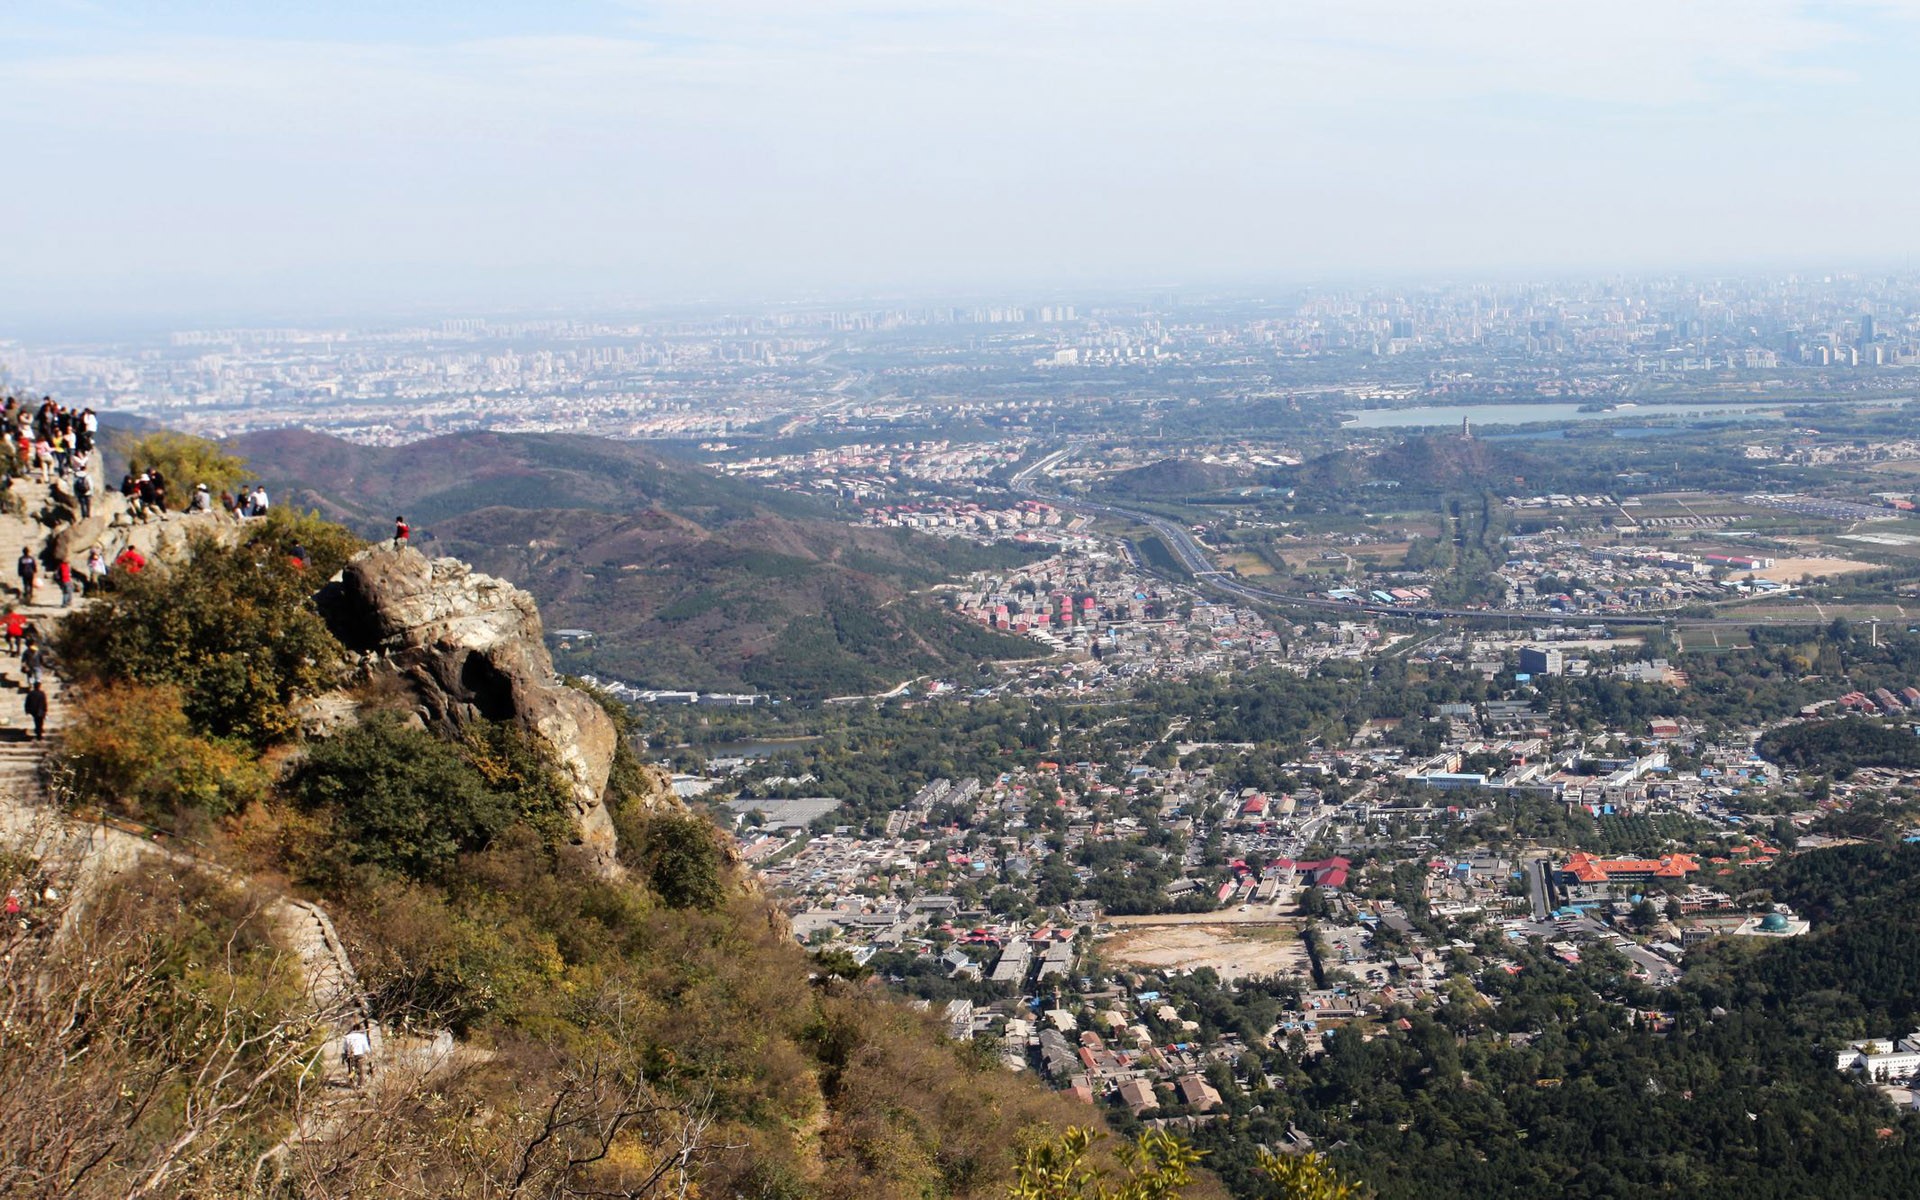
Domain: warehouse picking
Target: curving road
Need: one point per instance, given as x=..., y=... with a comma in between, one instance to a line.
x=1195, y=558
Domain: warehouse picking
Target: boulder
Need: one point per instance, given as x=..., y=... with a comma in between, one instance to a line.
x=326, y=714
x=72, y=541
x=471, y=648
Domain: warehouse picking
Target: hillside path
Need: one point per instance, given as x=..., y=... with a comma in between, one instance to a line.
x=104, y=845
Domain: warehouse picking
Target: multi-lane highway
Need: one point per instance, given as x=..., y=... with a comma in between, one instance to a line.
x=1195, y=559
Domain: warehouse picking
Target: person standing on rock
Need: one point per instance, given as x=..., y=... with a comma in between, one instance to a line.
x=16, y=631
x=37, y=709
x=83, y=493
x=63, y=573
x=96, y=569
x=400, y=532
x=28, y=568
x=357, y=1049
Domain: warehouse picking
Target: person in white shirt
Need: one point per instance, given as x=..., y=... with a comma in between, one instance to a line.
x=357, y=1050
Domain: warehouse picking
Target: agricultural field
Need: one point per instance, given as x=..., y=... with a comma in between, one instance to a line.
x=1246, y=564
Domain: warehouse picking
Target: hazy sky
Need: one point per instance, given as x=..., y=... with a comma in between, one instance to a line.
x=226, y=155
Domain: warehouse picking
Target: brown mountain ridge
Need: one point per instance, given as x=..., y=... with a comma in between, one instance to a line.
x=686, y=578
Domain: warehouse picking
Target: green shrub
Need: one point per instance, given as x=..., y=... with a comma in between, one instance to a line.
x=233, y=630
x=512, y=763
x=328, y=546
x=681, y=858
x=400, y=800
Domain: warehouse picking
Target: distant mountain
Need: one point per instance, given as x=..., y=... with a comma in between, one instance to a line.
x=686, y=578
x=367, y=486
x=1172, y=479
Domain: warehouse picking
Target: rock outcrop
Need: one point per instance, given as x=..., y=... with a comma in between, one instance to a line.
x=470, y=647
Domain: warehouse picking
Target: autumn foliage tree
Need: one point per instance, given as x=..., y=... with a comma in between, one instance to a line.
x=185, y=460
x=134, y=750
x=233, y=629
x=1160, y=1166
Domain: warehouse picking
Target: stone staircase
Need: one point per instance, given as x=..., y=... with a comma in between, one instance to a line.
x=21, y=758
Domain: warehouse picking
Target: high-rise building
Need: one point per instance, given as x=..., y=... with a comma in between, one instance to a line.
x=1539, y=660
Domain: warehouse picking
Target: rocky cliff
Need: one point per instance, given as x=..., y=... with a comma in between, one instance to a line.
x=470, y=647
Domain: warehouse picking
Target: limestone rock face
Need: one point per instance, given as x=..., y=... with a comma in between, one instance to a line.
x=471, y=648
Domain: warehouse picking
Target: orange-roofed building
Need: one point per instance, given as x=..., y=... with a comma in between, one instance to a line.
x=1582, y=867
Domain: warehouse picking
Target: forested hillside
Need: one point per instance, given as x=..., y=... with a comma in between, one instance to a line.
x=687, y=579
x=1585, y=1083
x=1842, y=746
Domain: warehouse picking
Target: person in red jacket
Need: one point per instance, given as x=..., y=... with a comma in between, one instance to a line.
x=401, y=532
x=16, y=631
x=130, y=561
x=64, y=573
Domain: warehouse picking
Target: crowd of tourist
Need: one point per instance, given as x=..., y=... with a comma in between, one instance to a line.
x=49, y=439
x=56, y=443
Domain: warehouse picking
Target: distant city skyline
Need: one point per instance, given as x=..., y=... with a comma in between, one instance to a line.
x=221, y=160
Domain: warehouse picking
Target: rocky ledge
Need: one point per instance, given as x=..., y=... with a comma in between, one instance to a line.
x=471, y=647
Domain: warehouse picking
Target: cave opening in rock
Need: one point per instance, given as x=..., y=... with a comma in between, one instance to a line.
x=490, y=689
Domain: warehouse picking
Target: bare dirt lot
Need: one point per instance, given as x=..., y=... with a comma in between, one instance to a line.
x=1311, y=556
x=1789, y=570
x=1234, y=949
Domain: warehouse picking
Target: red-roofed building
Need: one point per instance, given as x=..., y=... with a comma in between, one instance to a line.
x=1583, y=867
x=1325, y=872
